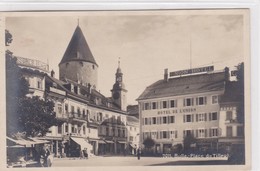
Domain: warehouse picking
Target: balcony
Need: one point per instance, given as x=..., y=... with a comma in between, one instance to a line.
x=76, y=116
x=229, y=121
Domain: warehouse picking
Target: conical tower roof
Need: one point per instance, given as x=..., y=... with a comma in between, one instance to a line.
x=78, y=49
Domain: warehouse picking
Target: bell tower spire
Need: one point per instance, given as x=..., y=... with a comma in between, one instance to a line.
x=119, y=91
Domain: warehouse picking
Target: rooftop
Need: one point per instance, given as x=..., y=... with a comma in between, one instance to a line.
x=190, y=84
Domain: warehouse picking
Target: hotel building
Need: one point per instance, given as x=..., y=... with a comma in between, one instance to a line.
x=183, y=104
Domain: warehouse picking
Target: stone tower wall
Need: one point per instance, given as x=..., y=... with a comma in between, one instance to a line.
x=84, y=71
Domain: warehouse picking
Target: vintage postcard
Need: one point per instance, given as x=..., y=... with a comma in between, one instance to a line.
x=155, y=88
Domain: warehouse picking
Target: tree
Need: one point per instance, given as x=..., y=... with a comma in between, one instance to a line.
x=33, y=116
x=8, y=38
x=149, y=143
x=241, y=97
x=187, y=142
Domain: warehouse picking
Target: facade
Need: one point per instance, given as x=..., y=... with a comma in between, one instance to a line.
x=173, y=108
x=133, y=134
x=90, y=120
x=230, y=123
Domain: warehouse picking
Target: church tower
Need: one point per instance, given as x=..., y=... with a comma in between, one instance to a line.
x=119, y=91
x=78, y=63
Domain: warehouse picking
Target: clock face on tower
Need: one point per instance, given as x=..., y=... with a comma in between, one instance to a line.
x=116, y=95
x=119, y=79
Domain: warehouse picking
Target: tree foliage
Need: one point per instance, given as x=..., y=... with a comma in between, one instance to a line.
x=188, y=140
x=149, y=142
x=241, y=97
x=8, y=38
x=33, y=116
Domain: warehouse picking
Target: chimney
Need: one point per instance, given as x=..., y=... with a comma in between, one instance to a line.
x=52, y=73
x=166, y=75
x=227, y=76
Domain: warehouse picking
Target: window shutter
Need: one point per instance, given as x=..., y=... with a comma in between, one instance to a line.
x=210, y=116
x=192, y=101
x=183, y=133
x=196, y=133
x=184, y=104
x=205, y=115
x=175, y=103
x=219, y=132
x=205, y=100
x=168, y=134
x=206, y=133
x=176, y=134
x=197, y=101
x=168, y=120
x=192, y=118
x=184, y=118
x=210, y=132
x=197, y=118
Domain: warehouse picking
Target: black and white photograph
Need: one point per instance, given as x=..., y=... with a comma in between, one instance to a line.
x=128, y=88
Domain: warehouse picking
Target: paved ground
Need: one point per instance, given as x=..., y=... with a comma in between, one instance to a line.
x=133, y=161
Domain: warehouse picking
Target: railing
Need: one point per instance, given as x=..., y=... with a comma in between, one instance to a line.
x=77, y=115
x=55, y=90
x=32, y=63
x=231, y=121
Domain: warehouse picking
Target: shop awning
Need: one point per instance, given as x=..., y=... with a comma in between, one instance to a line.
x=121, y=142
x=83, y=143
x=38, y=141
x=22, y=142
x=109, y=142
x=101, y=142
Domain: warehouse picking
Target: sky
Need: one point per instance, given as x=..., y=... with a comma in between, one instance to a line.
x=146, y=42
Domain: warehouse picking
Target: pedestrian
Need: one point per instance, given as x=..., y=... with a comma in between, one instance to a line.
x=85, y=152
x=138, y=153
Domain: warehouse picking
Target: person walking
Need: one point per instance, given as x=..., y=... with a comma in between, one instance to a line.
x=138, y=153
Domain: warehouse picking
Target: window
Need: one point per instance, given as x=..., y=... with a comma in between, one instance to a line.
x=72, y=109
x=59, y=109
x=201, y=133
x=154, y=105
x=66, y=128
x=214, y=116
x=201, y=100
x=84, y=130
x=154, y=120
x=187, y=118
x=39, y=84
x=66, y=108
x=59, y=129
x=173, y=103
x=186, y=133
x=131, y=138
x=78, y=111
x=171, y=119
x=228, y=115
x=107, y=131
x=72, y=129
x=146, y=106
x=89, y=130
x=164, y=104
x=153, y=135
x=188, y=102
x=172, y=134
x=84, y=113
x=146, y=121
x=214, y=99
x=214, y=132
x=201, y=117
x=164, y=120
x=229, y=131
x=240, y=131
x=123, y=133
x=164, y=134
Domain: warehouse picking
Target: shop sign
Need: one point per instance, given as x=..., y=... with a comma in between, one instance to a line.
x=192, y=71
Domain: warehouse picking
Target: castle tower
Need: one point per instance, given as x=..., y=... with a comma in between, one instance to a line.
x=78, y=63
x=119, y=91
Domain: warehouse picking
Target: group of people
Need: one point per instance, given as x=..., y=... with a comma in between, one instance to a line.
x=45, y=158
